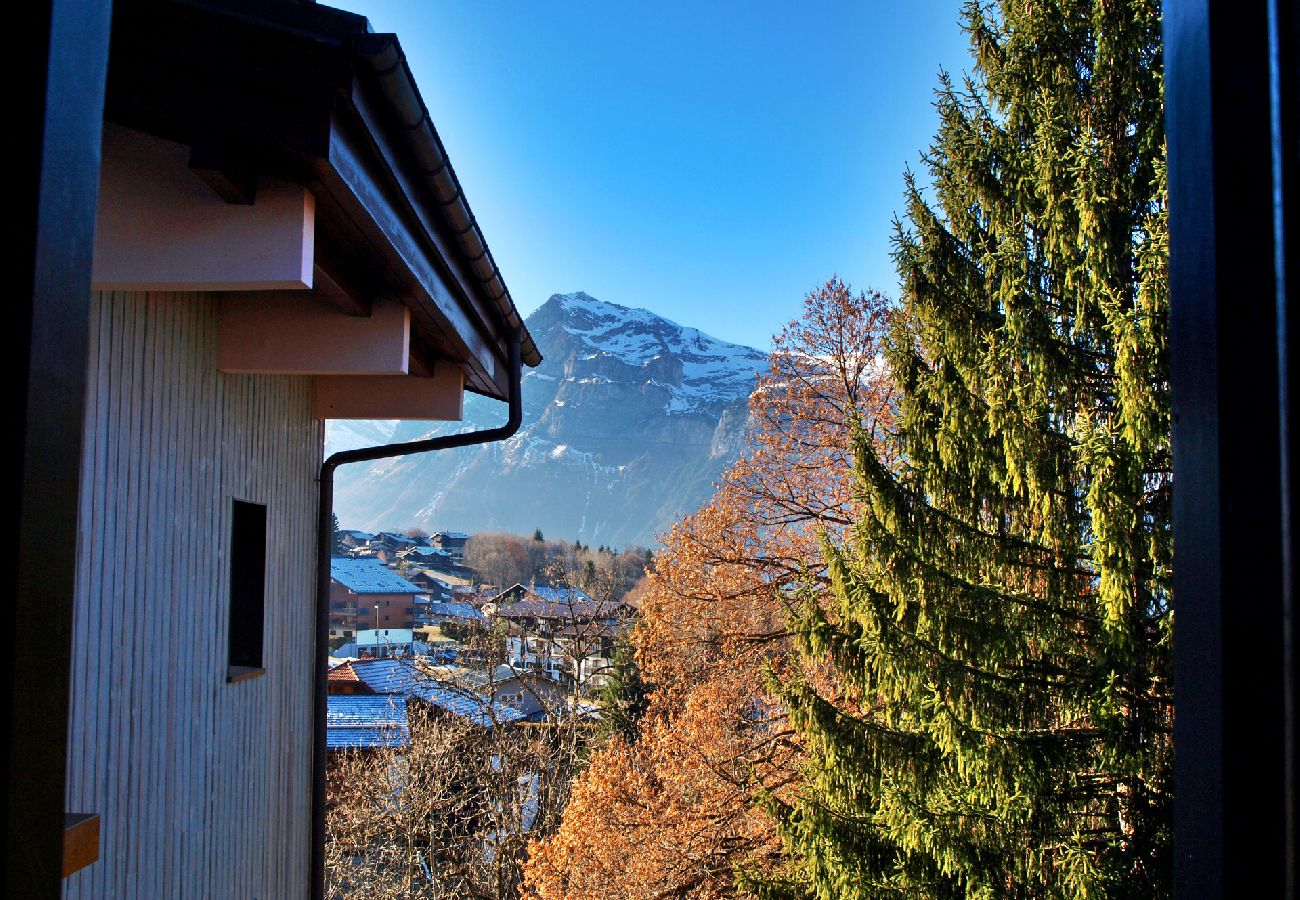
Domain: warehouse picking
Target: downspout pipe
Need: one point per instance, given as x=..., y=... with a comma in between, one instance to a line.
x=324, y=551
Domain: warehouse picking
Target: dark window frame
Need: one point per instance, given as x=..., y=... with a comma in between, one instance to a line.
x=246, y=627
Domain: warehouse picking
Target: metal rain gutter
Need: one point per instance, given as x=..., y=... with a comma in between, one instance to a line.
x=387, y=63
x=324, y=549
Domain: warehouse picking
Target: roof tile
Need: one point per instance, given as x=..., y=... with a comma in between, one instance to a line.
x=370, y=576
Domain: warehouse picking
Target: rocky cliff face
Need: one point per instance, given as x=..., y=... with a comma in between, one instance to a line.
x=627, y=423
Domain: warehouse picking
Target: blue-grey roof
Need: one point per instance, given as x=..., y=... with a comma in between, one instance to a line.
x=396, y=676
x=355, y=721
x=370, y=576
x=547, y=609
x=464, y=611
x=551, y=594
x=430, y=551
x=560, y=594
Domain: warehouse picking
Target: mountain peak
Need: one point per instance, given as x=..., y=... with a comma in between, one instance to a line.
x=578, y=297
x=581, y=304
x=636, y=337
x=628, y=422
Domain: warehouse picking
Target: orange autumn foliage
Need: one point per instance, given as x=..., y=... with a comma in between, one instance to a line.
x=675, y=812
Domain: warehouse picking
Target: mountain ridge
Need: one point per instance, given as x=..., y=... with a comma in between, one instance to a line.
x=628, y=422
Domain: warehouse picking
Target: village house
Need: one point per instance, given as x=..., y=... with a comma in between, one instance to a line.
x=361, y=722
x=560, y=632
x=426, y=556
x=453, y=542
x=343, y=679
x=431, y=695
x=537, y=697
x=350, y=539
x=278, y=239
x=455, y=614
x=443, y=563
x=546, y=593
x=439, y=582
x=379, y=551
x=534, y=696
x=366, y=594
x=397, y=543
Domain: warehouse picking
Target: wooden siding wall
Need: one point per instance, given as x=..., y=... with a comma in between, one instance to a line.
x=204, y=787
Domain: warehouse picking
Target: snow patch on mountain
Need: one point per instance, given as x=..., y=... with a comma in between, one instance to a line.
x=628, y=423
x=712, y=370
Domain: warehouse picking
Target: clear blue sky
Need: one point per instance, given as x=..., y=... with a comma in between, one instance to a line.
x=709, y=161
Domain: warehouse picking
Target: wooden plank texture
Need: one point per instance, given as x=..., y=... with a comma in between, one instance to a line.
x=203, y=787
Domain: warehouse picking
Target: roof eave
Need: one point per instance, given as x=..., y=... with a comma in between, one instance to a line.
x=386, y=65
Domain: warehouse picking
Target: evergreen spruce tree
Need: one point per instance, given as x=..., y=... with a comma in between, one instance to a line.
x=336, y=537
x=986, y=702
x=623, y=696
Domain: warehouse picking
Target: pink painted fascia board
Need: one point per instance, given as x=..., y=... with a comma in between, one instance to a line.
x=439, y=398
x=158, y=227
x=292, y=335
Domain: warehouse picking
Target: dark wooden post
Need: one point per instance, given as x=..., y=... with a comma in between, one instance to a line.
x=1230, y=103
x=57, y=110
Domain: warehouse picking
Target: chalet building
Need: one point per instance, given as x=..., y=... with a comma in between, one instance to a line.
x=446, y=624
x=453, y=542
x=442, y=564
x=391, y=540
x=377, y=551
x=279, y=239
x=560, y=632
x=517, y=592
x=427, y=556
x=362, y=723
x=455, y=613
x=440, y=590
x=366, y=594
x=350, y=539
x=536, y=697
x=343, y=679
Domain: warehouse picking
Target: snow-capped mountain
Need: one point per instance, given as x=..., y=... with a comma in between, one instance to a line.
x=627, y=423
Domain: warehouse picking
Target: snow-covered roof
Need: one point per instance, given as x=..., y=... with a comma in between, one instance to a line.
x=427, y=551
x=550, y=594
x=370, y=576
x=547, y=609
x=395, y=676
x=357, y=721
x=463, y=611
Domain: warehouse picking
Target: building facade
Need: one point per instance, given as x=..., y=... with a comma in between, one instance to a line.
x=265, y=257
